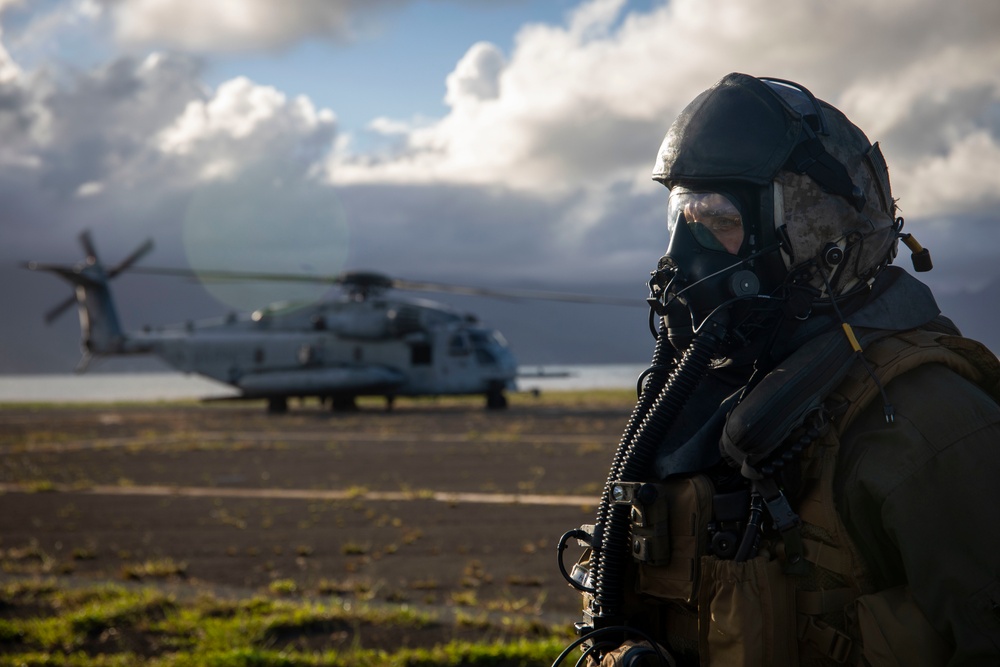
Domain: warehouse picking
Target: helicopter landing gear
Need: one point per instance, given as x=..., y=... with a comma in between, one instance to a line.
x=343, y=404
x=277, y=405
x=496, y=400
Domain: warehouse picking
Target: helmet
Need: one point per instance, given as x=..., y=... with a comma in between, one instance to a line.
x=775, y=196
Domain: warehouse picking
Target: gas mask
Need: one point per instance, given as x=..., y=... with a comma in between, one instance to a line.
x=716, y=263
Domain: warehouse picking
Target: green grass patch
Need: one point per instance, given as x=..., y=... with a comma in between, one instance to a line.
x=110, y=625
x=163, y=568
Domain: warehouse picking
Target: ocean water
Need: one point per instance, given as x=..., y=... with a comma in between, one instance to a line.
x=107, y=387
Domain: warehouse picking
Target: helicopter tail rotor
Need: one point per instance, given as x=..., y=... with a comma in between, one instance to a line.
x=100, y=327
x=89, y=272
x=90, y=253
x=144, y=249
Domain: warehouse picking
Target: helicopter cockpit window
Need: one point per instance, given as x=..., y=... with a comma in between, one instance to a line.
x=485, y=357
x=458, y=346
x=482, y=344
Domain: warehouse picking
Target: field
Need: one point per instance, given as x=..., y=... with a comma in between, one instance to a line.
x=351, y=522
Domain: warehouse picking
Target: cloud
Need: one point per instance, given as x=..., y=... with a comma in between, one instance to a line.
x=244, y=122
x=477, y=75
x=539, y=170
x=141, y=147
x=241, y=25
x=579, y=108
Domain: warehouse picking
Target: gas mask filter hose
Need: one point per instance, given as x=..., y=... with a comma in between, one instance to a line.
x=655, y=379
x=613, y=529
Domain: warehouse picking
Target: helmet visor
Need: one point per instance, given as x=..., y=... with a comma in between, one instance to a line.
x=713, y=219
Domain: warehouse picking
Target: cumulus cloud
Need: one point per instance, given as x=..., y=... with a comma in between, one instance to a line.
x=8, y=68
x=584, y=104
x=477, y=75
x=9, y=71
x=240, y=25
x=141, y=146
x=243, y=122
x=540, y=166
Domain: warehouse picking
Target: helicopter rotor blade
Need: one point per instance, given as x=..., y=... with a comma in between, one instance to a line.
x=84, y=363
x=380, y=281
x=53, y=313
x=248, y=276
x=87, y=242
x=136, y=255
x=542, y=295
x=88, y=246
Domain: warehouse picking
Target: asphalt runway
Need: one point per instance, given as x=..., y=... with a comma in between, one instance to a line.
x=442, y=505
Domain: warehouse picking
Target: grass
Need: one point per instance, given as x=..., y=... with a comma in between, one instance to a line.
x=163, y=568
x=105, y=625
x=590, y=397
x=290, y=623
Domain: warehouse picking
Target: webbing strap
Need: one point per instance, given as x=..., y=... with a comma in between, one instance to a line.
x=893, y=356
x=817, y=603
x=825, y=638
x=826, y=556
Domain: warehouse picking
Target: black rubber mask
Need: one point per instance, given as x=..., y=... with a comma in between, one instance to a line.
x=705, y=269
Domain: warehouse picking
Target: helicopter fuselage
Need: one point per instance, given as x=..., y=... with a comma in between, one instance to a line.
x=381, y=347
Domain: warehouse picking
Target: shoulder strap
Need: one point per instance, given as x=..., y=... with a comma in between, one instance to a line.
x=890, y=357
x=827, y=367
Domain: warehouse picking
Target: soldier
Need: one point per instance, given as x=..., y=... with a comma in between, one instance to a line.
x=812, y=473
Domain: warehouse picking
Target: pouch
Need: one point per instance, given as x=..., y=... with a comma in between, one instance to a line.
x=746, y=613
x=687, y=504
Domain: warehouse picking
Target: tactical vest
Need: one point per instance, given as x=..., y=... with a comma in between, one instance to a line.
x=806, y=598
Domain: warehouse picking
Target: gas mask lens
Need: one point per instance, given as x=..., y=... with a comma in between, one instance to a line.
x=712, y=218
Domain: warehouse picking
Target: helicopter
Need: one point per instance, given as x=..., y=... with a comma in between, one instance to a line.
x=363, y=343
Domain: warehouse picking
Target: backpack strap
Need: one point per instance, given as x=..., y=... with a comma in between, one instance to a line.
x=893, y=356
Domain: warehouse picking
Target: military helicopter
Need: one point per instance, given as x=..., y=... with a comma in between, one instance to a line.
x=361, y=344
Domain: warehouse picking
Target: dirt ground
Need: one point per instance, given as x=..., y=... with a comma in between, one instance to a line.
x=436, y=503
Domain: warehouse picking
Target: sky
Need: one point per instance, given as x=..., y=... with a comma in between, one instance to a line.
x=488, y=142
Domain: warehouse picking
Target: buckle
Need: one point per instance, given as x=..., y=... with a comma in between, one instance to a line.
x=826, y=639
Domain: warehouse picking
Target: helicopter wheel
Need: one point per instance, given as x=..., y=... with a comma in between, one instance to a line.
x=495, y=400
x=343, y=404
x=277, y=405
